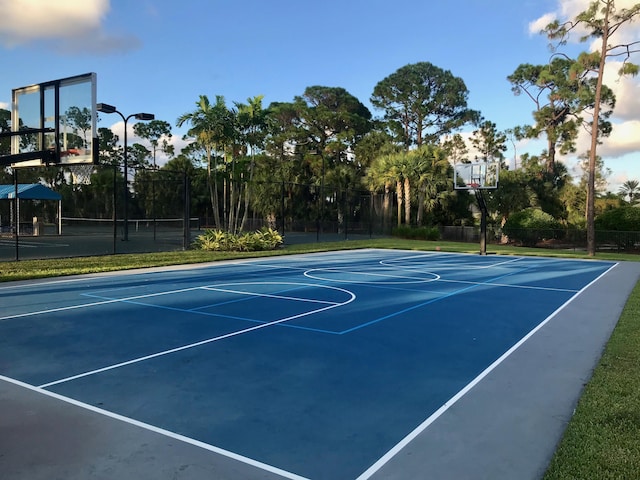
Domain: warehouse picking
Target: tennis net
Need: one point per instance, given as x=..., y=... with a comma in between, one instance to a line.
x=145, y=226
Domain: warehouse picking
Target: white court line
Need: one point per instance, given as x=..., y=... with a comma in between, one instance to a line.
x=93, y=304
x=507, y=285
x=308, y=274
x=453, y=400
x=202, y=342
x=443, y=265
x=267, y=295
x=161, y=431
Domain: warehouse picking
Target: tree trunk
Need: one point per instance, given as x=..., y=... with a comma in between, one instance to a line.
x=591, y=190
x=386, y=206
x=213, y=189
x=399, y=196
x=407, y=201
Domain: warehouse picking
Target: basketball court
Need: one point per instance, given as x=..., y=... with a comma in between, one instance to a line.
x=381, y=364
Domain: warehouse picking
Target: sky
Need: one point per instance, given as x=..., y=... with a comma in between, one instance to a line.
x=159, y=56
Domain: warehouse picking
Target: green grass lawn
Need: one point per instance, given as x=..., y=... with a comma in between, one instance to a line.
x=602, y=440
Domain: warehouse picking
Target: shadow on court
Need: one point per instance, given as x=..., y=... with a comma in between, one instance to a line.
x=367, y=364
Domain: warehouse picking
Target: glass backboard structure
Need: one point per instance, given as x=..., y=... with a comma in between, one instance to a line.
x=478, y=177
x=54, y=123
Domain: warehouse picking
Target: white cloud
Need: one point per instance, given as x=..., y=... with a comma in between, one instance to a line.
x=626, y=89
x=69, y=26
x=625, y=138
x=538, y=25
x=4, y=105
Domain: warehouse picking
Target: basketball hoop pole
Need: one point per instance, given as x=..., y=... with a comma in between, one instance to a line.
x=483, y=220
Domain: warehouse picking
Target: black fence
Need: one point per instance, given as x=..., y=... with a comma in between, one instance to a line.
x=556, y=239
x=162, y=210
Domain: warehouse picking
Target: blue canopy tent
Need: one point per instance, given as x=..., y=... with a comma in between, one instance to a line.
x=30, y=191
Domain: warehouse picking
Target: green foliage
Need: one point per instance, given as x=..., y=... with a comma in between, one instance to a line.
x=601, y=441
x=422, y=233
x=531, y=225
x=624, y=219
x=220, y=241
x=422, y=102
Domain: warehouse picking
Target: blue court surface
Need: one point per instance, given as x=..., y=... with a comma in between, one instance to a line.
x=319, y=366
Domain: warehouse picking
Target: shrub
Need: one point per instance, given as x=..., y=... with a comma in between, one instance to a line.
x=624, y=219
x=421, y=233
x=219, y=240
x=530, y=226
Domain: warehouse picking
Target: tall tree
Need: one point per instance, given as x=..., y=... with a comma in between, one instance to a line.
x=252, y=123
x=456, y=149
x=490, y=143
x=212, y=126
x=433, y=178
x=330, y=122
x=422, y=102
x=601, y=20
x=561, y=97
x=158, y=134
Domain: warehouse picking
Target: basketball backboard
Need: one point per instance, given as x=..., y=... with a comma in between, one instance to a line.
x=55, y=122
x=476, y=175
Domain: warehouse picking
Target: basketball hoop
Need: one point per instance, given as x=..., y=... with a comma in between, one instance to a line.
x=80, y=173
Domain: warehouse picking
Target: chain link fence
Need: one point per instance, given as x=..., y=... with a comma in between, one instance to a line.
x=164, y=210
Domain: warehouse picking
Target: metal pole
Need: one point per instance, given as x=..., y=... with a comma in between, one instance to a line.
x=16, y=212
x=346, y=214
x=153, y=193
x=125, y=231
x=371, y=215
x=115, y=210
x=282, y=213
x=187, y=213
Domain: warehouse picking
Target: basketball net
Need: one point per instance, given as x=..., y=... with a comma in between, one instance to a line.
x=81, y=173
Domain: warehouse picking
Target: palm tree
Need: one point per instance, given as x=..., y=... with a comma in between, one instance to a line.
x=630, y=189
x=381, y=174
x=252, y=122
x=432, y=170
x=387, y=170
x=212, y=127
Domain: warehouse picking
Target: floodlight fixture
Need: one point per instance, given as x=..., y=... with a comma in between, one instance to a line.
x=105, y=108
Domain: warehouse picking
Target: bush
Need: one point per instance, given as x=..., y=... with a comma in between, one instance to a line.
x=421, y=233
x=221, y=241
x=623, y=219
x=530, y=226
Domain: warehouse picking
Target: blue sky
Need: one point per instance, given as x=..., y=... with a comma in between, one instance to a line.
x=158, y=56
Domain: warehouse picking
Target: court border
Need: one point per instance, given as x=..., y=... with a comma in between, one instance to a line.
x=410, y=460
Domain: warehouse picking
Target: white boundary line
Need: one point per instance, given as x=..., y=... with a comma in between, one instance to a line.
x=93, y=304
x=216, y=288
x=308, y=274
x=445, y=265
x=453, y=400
x=161, y=431
x=203, y=342
x=507, y=285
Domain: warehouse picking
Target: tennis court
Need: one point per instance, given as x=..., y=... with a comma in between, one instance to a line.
x=344, y=365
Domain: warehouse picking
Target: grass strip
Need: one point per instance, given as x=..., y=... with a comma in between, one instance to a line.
x=44, y=268
x=602, y=440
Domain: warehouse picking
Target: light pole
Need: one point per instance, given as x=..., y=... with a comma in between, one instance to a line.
x=106, y=108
